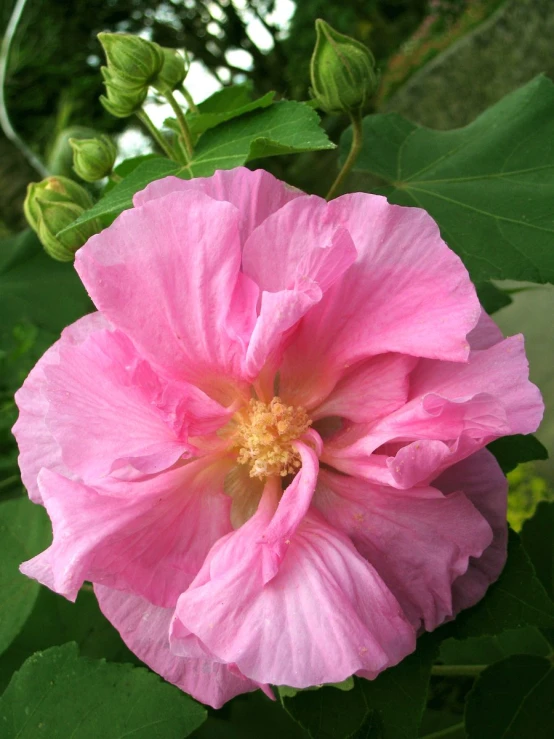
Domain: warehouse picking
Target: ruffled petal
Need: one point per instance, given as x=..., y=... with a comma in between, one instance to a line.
x=37, y=446
x=256, y=194
x=419, y=541
x=145, y=630
x=482, y=481
x=272, y=597
x=168, y=274
x=151, y=541
x=407, y=293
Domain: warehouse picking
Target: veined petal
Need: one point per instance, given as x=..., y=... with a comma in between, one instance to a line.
x=418, y=540
x=256, y=194
x=167, y=274
x=325, y=615
x=145, y=630
x=406, y=293
x=151, y=543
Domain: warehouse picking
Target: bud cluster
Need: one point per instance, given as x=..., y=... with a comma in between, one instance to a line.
x=52, y=205
x=133, y=64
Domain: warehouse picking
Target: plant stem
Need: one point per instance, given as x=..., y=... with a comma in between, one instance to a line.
x=6, y=482
x=458, y=670
x=153, y=131
x=444, y=732
x=188, y=97
x=355, y=147
x=183, y=125
x=5, y=123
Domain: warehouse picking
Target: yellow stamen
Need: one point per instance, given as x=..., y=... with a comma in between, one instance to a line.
x=264, y=435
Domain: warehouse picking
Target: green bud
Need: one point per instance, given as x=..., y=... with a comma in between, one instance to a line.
x=53, y=190
x=132, y=58
x=122, y=99
x=343, y=71
x=174, y=70
x=93, y=158
x=53, y=218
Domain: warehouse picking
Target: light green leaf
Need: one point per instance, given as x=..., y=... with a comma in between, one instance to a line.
x=512, y=699
x=284, y=128
x=57, y=694
x=24, y=531
x=222, y=106
x=489, y=186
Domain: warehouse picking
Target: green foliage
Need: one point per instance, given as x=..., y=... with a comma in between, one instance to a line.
x=513, y=450
x=24, y=532
x=57, y=694
x=527, y=490
x=512, y=699
x=488, y=185
x=538, y=538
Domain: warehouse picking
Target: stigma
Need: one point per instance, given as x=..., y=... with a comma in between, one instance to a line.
x=265, y=434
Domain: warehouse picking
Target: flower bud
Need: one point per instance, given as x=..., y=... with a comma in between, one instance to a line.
x=122, y=98
x=93, y=158
x=53, y=218
x=132, y=58
x=53, y=190
x=174, y=70
x=342, y=71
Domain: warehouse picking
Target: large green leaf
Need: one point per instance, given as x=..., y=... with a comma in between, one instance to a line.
x=513, y=450
x=389, y=707
x=225, y=104
x=54, y=621
x=485, y=650
x=537, y=536
x=512, y=699
x=515, y=600
x=489, y=186
x=24, y=531
x=57, y=694
x=36, y=288
x=283, y=128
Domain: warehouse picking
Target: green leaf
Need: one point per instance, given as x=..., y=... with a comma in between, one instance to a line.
x=120, y=197
x=222, y=107
x=515, y=600
x=36, y=288
x=513, y=450
x=57, y=694
x=512, y=699
x=24, y=531
x=537, y=536
x=485, y=650
x=284, y=128
x=489, y=186
x=55, y=620
x=492, y=298
x=389, y=707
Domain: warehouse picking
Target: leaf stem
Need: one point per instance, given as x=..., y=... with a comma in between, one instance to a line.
x=188, y=97
x=6, y=482
x=444, y=732
x=144, y=118
x=458, y=670
x=183, y=125
x=355, y=148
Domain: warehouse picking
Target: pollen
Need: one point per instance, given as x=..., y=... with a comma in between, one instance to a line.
x=265, y=433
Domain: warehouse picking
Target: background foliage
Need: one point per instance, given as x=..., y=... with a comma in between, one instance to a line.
x=63, y=669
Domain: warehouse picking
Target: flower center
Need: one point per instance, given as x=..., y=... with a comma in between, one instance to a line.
x=265, y=434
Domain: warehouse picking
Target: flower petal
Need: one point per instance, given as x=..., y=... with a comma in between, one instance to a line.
x=151, y=541
x=419, y=541
x=37, y=446
x=145, y=630
x=256, y=194
x=406, y=293
x=167, y=274
x=324, y=616
x=482, y=481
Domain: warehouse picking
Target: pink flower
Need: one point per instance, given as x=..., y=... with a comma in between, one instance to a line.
x=266, y=448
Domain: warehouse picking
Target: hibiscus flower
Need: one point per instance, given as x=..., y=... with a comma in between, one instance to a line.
x=266, y=448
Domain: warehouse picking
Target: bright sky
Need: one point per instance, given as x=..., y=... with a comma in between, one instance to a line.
x=200, y=83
